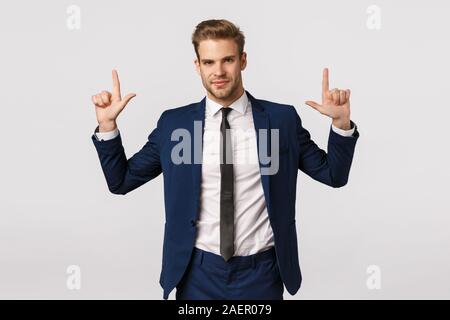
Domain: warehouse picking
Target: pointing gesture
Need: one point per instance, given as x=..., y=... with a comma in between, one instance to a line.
x=109, y=105
x=335, y=103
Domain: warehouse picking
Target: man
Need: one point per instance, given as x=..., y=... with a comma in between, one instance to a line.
x=230, y=229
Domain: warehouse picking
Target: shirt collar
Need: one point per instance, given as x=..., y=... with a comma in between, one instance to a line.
x=239, y=105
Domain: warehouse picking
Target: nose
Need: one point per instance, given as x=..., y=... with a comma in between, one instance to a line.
x=220, y=70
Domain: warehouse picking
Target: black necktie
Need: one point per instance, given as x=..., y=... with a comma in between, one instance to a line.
x=226, y=190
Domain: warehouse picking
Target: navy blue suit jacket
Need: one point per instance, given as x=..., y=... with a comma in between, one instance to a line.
x=182, y=181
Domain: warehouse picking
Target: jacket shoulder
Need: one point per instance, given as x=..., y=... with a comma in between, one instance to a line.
x=179, y=110
x=276, y=108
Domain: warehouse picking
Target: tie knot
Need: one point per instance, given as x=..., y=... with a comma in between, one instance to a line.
x=225, y=112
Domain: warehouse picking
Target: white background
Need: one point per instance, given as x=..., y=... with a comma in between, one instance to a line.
x=56, y=210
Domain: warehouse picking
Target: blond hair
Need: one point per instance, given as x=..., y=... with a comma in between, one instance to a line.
x=217, y=29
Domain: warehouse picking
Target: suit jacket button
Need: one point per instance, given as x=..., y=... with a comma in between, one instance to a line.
x=193, y=223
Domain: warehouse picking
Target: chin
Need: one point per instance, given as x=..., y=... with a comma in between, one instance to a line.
x=218, y=93
x=222, y=94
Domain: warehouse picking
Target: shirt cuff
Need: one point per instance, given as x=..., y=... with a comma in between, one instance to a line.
x=106, y=135
x=345, y=133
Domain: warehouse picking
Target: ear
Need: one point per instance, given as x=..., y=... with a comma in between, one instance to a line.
x=243, y=60
x=197, y=66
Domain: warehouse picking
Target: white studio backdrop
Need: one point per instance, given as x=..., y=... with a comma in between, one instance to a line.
x=382, y=236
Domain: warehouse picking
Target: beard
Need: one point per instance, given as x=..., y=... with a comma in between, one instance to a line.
x=223, y=93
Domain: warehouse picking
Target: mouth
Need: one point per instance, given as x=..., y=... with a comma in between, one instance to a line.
x=220, y=83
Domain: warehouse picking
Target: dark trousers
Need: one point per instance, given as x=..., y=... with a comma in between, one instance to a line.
x=209, y=276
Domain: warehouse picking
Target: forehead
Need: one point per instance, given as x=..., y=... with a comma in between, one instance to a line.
x=217, y=48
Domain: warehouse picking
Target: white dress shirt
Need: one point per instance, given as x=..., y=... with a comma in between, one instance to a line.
x=253, y=232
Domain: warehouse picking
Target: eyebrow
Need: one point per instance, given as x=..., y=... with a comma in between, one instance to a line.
x=209, y=60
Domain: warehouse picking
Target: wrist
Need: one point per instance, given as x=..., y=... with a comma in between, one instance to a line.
x=107, y=126
x=343, y=124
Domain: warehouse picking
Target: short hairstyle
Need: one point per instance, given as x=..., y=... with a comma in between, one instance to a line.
x=217, y=29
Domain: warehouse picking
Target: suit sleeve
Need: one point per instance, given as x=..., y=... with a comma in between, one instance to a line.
x=332, y=167
x=108, y=135
x=122, y=175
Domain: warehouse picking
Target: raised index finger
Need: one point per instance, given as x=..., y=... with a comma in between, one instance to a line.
x=325, y=82
x=116, y=85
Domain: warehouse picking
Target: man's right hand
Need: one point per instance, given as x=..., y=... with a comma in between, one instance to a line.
x=109, y=105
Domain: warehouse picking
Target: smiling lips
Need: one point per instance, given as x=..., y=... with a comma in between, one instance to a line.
x=220, y=83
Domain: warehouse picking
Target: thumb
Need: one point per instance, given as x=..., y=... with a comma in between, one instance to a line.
x=127, y=99
x=313, y=104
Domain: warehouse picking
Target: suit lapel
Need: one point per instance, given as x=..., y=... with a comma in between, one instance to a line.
x=261, y=121
x=198, y=114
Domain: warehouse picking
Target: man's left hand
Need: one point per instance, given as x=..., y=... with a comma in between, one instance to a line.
x=335, y=104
